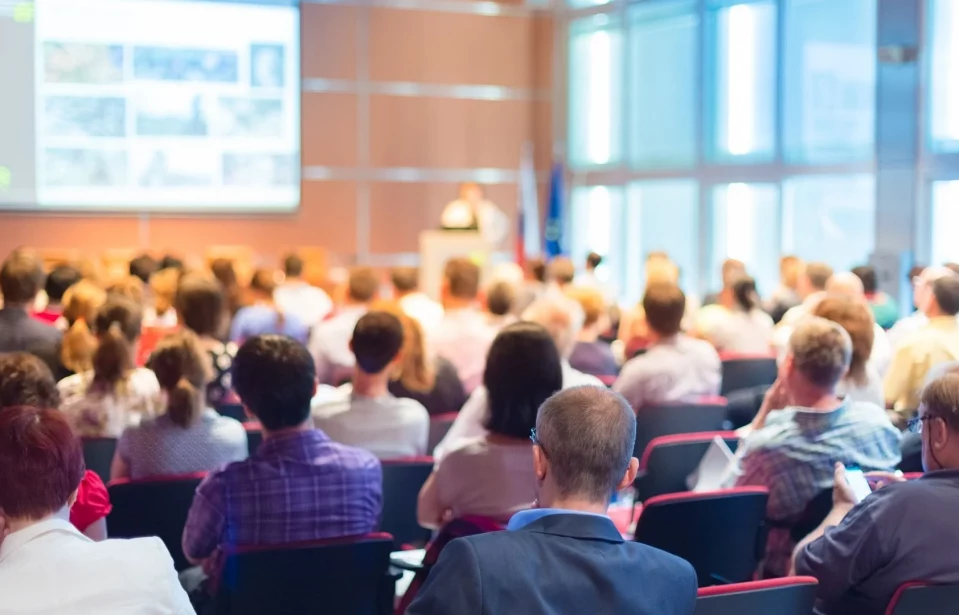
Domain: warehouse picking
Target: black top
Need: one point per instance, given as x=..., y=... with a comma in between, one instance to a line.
x=19, y=332
x=448, y=394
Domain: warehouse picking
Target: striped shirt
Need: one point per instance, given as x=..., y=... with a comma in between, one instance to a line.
x=297, y=486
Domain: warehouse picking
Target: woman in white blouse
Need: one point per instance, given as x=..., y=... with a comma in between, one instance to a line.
x=103, y=401
x=737, y=324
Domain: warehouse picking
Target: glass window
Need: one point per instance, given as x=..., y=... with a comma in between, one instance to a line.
x=595, y=58
x=830, y=81
x=945, y=221
x=663, y=95
x=743, y=93
x=830, y=218
x=580, y=4
x=745, y=226
x=596, y=212
x=661, y=215
x=944, y=78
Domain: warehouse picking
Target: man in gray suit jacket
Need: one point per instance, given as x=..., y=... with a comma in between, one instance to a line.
x=21, y=278
x=565, y=555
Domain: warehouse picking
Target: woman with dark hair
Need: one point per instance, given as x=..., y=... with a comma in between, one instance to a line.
x=739, y=324
x=189, y=436
x=492, y=475
x=116, y=393
x=41, y=469
x=263, y=317
x=201, y=307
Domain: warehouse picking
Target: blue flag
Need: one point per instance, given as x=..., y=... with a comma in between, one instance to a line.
x=554, y=214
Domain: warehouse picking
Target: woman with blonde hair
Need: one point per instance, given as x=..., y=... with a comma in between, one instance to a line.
x=189, y=436
x=431, y=380
x=114, y=393
x=80, y=304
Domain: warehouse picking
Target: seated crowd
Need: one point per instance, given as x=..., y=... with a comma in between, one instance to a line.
x=546, y=375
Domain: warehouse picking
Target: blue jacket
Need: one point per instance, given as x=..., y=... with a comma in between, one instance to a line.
x=558, y=564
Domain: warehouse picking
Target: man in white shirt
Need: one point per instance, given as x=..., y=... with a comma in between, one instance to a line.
x=415, y=303
x=472, y=211
x=367, y=415
x=295, y=296
x=675, y=368
x=921, y=289
x=330, y=342
x=463, y=336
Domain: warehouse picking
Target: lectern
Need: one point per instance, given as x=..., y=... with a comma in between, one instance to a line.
x=437, y=247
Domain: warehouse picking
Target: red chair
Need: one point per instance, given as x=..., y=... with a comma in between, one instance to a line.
x=254, y=436
x=149, y=338
x=345, y=576
x=789, y=596
x=721, y=533
x=706, y=414
x=155, y=506
x=918, y=598
x=669, y=460
x=98, y=455
x=745, y=371
x=402, y=481
x=439, y=425
x=608, y=380
x=234, y=411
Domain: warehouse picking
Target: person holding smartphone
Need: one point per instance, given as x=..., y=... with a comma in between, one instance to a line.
x=902, y=531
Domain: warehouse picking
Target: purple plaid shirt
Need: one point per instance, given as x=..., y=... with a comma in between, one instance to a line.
x=298, y=486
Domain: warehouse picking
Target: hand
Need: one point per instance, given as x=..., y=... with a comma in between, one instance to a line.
x=878, y=480
x=842, y=495
x=776, y=399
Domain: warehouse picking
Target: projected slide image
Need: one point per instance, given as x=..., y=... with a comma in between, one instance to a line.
x=179, y=114
x=174, y=64
x=259, y=170
x=84, y=167
x=248, y=117
x=266, y=66
x=84, y=116
x=82, y=63
x=176, y=168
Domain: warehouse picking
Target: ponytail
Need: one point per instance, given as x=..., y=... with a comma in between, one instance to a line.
x=113, y=357
x=78, y=347
x=183, y=404
x=744, y=291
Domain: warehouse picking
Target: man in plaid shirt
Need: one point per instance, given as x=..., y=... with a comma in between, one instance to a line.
x=803, y=429
x=299, y=485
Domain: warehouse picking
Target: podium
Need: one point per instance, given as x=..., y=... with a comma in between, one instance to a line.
x=437, y=247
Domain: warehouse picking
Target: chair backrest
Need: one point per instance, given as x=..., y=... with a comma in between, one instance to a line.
x=254, y=436
x=153, y=507
x=98, y=455
x=789, y=596
x=234, y=411
x=747, y=371
x=668, y=460
x=918, y=598
x=402, y=480
x=707, y=414
x=346, y=576
x=149, y=338
x=721, y=533
x=608, y=379
x=439, y=425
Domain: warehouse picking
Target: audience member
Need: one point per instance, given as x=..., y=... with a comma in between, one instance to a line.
x=298, y=297
x=413, y=301
x=492, y=475
x=201, y=307
x=921, y=291
x=367, y=415
x=883, y=307
x=498, y=301
x=937, y=342
x=143, y=267
x=170, y=261
x=589, y=278
x=591, y=355
x=46, y=564
x=732, y=270
x=633, y=329
x=787, y=295
x=115, y=393
x=81, y=303
x=129, y=288
x=675, y=368
x=25, y=380
x=225, y=274
x=463, y=336
x=263, y=316
x=60, y=279
x=21, y=278
x=862, y=382
x=161, y=313
x=811, y=288
x=189, y=436
x=803, y=428
x=299, y=485
x=560, y=272
x=330, y=342
x=902, y=532
x=580, y=460
x=533, y=287
x=737, y=324
x=430, y=380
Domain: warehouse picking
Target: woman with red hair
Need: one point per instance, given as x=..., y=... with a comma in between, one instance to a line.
x=41, y=465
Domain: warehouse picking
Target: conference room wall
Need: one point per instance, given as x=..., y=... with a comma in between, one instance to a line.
x=402, y=100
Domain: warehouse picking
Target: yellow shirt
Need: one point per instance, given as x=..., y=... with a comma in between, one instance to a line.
x=937, y=342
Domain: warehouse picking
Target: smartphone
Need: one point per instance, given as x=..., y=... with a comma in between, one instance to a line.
x=857, y=481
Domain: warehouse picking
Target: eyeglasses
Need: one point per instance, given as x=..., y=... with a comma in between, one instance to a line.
x=535, y=440
x=915, y=423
